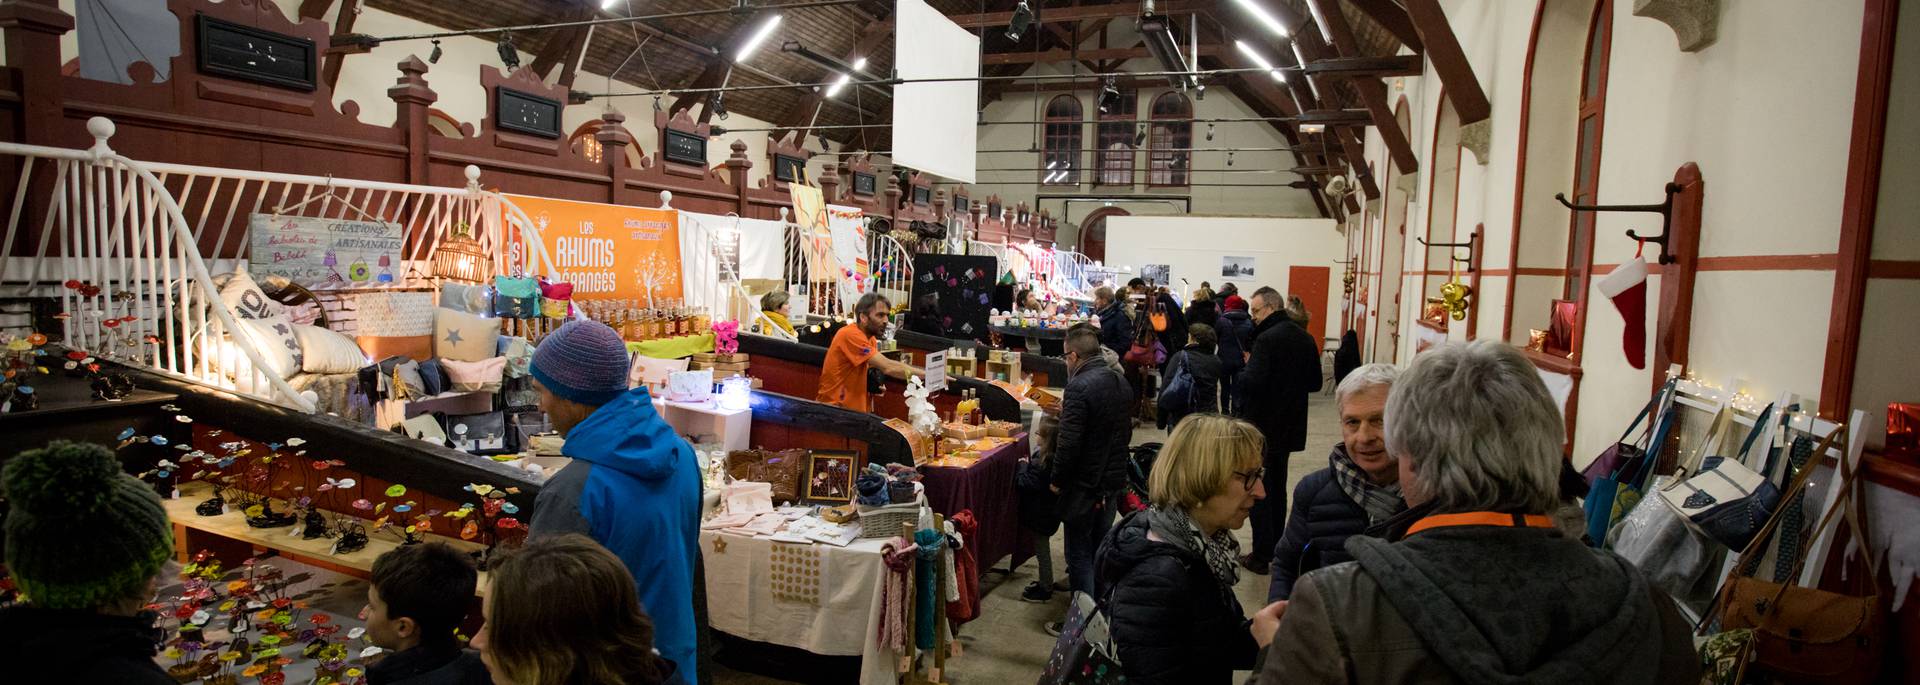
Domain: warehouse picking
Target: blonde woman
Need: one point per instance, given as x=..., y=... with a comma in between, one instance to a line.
x=774, y=309
x=1166, y=574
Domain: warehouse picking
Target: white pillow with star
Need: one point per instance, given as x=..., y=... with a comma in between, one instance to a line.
x=464, y=337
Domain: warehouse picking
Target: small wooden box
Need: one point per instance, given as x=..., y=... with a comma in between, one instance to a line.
x=963, y=367
x=1003, y=429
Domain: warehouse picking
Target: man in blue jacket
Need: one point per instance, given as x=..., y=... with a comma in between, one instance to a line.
x=633, y=485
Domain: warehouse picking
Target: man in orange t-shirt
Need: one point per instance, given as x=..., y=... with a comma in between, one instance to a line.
x=843, y=379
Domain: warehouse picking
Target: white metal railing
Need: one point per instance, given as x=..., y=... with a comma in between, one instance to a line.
x=889, y=267
x=138, y=232
x=997, y=251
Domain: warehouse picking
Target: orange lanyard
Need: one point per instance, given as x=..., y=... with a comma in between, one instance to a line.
x=1481, y=518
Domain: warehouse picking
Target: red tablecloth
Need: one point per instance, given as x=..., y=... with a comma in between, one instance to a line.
x=986, y=488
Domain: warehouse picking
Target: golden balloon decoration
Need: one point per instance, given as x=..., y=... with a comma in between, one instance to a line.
x=1455, y=295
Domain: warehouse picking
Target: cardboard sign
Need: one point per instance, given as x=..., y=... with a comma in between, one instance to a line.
x=608, y=252
x=324, y=252
x=937, y=370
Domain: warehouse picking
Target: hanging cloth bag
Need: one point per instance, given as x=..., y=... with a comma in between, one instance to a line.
x=1726, y=499
x=1610, y=497
x=516, y=297
x=1803, y=634
x=1621, y=451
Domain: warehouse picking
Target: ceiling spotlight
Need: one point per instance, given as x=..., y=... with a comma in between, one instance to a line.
x=1229, y=158
x=1209, y=131
x=718, y=105
x=508, y=55
x=1265, y=18
x=434, y=57
x=759, y=36
x=1109, y=96
x=838, y=85
x=1022, y=19
x=1139, y=136
x=860, y=64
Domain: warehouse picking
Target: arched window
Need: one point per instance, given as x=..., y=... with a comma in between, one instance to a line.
x=1117, y=139
x=584, y=144
x=1586, y=164
x=1172, y=136
x=1062, y=159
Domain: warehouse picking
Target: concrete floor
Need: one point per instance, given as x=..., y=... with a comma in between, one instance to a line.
x=1007, y=646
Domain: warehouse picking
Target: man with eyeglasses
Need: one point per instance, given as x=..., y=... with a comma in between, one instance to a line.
x=1089, y=465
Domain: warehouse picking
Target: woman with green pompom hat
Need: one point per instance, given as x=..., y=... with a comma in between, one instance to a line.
x=84, y=542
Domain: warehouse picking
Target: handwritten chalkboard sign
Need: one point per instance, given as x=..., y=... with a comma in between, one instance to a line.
x=526, y=112
x=329, y=252
x=686, y=148
x=864, y=184
x=252, y=54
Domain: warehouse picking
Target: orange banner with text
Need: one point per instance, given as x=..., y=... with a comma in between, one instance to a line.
x=608, y=252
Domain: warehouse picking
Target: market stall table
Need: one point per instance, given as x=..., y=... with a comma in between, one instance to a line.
x=986, y=488
x=817, y=597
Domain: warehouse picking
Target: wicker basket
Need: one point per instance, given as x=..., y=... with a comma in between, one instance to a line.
x=885, y=522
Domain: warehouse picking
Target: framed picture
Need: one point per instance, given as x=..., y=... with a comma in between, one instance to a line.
x=1231, y=266
x=830, y=477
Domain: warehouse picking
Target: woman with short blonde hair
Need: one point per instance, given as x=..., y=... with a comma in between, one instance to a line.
x=1167, y=573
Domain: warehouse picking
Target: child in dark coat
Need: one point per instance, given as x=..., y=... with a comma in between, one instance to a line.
x=419, y=595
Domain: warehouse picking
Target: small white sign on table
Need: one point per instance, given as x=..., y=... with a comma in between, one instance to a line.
x=937, y=370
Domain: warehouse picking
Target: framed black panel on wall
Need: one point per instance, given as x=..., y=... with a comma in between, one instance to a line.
x=526, y=113
x=864, y=184
x=923, y=195
x=247, y=53
x=685, y=148
x=786, y=168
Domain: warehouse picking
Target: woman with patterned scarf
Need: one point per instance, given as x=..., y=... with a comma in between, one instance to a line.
x=1166, y=574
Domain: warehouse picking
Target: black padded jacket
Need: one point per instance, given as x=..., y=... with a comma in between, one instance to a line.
x=1171, y=621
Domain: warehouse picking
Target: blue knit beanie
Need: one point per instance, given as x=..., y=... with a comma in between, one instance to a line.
x=584, y=361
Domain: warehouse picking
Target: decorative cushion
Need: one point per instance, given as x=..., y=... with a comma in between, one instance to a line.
x=393, y=314
x=278, y=345
x=411, y=346
x=247, y=299
x=328, y=352
x=519, y=355
x=464, y=337
x=483, y=376
x=460, y=297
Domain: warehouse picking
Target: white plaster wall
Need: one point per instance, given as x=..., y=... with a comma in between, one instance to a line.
x=1885, y=370
x=1769, y=130
x=1193, y=246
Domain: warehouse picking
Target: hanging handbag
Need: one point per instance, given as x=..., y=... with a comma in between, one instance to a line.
x=556, y=299
x=1140, y=354
x=1672, y=555
x=1177, y=398
x=1157, y=316
x=1621, y=450
x=516, y=297
x=1084, y=653
x=784, y=470
x=1804, y=634
x=1725, y=499
x=1610, y=497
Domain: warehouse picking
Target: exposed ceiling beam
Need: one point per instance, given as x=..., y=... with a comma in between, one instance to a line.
x=1080, y=13
x=1267, y=99
x=315, y=9
x=342, y=23
x=1449, y=62
x=802, y=113
x=1373, y=93
x=1366, y=67
x=1394, y=19
x=1047, y=56
x=1357, y=159
x=561, y=44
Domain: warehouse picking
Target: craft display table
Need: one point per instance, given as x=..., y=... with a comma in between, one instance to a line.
x=986, y=488
x=1046, y=341
x=193, y=532
x=820, y=598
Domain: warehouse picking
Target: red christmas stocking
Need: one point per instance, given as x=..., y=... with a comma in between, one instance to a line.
x=1627, y=288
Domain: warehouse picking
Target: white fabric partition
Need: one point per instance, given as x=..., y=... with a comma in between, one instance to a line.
x=933, y=122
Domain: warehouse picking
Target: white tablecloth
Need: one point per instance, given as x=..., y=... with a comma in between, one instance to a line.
x=844, y=619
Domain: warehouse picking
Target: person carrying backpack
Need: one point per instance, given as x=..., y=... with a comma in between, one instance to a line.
x=1193, y=379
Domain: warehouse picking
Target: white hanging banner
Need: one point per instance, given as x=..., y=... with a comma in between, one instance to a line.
x=847, y=227
x=934, y=122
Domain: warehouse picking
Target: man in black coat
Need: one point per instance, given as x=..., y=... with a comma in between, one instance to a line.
x=1089, y=468
x=1359, y=488
x=1272, y=391
x=1116, y=330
